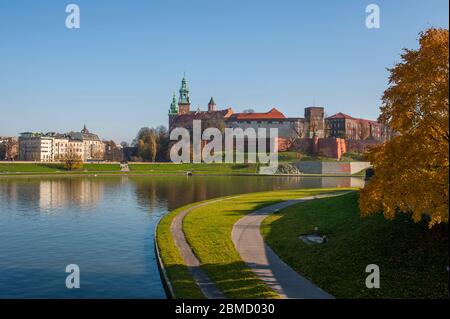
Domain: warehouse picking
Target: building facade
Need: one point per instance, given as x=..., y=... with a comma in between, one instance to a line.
x=312, y=125
x=93, y=147
x=53, y=147
x=344, y=126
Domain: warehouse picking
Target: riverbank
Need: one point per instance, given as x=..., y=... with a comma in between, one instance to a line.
x=8, y=169
x=412, y=259
x=208, y=231
x=138, y=169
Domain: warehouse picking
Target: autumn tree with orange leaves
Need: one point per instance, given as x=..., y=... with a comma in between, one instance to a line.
x=412, y=169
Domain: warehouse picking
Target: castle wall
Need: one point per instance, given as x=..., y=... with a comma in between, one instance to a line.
x=285, y=128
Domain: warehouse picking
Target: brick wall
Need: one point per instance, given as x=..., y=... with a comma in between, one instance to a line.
x=329, y=147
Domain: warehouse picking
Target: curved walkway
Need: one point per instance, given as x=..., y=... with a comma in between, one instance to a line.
x=206, y=285
x=263, y=261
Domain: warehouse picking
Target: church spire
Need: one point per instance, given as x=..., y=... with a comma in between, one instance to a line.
x=84, y=130
x=173, y=106
x=184, y=91
x=184, y=103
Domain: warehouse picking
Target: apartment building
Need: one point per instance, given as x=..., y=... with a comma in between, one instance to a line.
x=50, y=147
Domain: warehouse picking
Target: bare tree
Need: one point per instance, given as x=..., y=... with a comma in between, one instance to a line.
x=113, y=153
x=98, y=154
x=72, y=161
x=297, y=133
x=10, y=149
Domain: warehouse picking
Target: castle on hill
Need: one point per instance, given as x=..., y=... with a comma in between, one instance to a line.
x=313, y=125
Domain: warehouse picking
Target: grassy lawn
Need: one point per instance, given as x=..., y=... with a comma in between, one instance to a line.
x=101, y=167
x=208, y=231
x=212, y=168
x=412, y=259
x=150, y=168
x=182, y=282
x=30, y=168
x=136, y=168
x=293, y=157
x=54, y=168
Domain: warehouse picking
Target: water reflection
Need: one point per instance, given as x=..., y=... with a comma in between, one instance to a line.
x=106, y=226
x=49, y=194
x=57, y=193
x=180, y=191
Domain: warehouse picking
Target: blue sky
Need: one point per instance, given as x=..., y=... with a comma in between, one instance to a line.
x=118, y=71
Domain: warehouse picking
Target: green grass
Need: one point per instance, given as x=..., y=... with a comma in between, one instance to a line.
x=412, y=259
x=208, y=231
x=287, y=157
x=148, y=168
x=101, y=167
x=47, y=168
x=30, y=168
x=351, y=156
x=344, y=158
x=212, y=168
x=182, y=282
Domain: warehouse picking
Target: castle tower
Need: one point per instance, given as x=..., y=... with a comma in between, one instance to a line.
x=184, y=103
x=212, y=105
x=173, y=106
x=173, y=111
x=315, y=119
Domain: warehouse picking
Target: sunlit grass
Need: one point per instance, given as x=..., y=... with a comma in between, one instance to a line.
x=208, y=231
x=412, y=259
x=180, y=278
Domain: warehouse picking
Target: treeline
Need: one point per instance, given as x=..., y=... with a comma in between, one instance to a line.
x=152, y=144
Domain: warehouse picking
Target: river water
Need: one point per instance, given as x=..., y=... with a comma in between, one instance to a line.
x=105, y=225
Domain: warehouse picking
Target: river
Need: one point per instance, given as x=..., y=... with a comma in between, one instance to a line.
x=105, y=225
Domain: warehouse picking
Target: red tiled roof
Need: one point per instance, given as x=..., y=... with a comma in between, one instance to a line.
x=272, y=114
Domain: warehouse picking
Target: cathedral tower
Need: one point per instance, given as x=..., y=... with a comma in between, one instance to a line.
x=184, y=104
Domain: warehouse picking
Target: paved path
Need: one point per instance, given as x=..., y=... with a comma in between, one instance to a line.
x=206, y=285
x=265, y=263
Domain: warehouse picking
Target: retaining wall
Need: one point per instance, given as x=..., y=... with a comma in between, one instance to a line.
x=331, y=168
